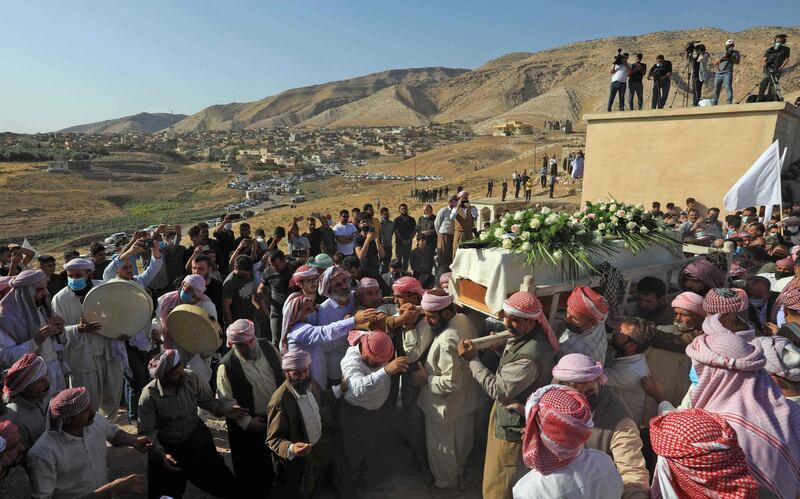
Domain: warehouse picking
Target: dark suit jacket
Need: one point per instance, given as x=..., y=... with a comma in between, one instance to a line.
x=753, y=315
x=285, y=426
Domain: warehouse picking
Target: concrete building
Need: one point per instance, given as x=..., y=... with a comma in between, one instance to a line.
x=512, y=128
x=671, y=154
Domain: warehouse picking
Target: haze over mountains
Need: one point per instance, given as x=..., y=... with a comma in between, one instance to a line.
x=560, y=83
x=138, y=123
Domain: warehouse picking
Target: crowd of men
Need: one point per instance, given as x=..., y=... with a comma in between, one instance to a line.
x=628, y=78
x=340, y=334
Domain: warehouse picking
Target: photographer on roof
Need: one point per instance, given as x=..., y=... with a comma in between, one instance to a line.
x=775, y=59
x=725, y=64
x=635, y=85
x=660, y=74
x=620, y=70
x=699, y=59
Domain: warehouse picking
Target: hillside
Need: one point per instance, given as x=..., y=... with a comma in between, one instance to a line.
x=559, y=83
x=138, y=123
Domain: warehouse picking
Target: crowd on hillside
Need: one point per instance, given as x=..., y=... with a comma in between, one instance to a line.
x=343, y=343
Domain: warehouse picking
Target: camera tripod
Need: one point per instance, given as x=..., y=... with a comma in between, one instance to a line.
x=687, y=72
x=776, y=85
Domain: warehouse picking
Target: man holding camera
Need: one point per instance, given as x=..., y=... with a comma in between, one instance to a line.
x=620, y=70
x=660, y=73
x=699, y=70
x=775, y=59
x=368, y=247
x=725, y=72
x=635, y=85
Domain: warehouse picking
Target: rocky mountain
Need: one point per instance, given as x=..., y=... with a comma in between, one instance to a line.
x=559, y=83
x=138, y=123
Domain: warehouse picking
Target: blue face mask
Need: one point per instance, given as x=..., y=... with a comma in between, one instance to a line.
x=693, y=376
x=186, y=297
x=162, y=245
x=76, y=284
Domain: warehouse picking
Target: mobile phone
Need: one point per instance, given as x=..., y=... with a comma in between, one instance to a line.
x=206, y=247
x=147, y=243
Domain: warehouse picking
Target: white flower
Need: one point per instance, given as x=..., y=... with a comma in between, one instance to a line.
x=612, y=208
x=507, y=216
x=484, y=236
x=659, y=222
x=525, y=247
x=525, y=236
x=507, y=243
x=557, y=255
x=600, y=226
x=630, y=215
x=620, y=213
x=581, y=232
x=518, y=215
x=515, y=229
x=499, y=233
x=545, y=210
x=535, y=223
x=640, y=206
x=551, y=219
x=615, y=220
x=630, y=226
x=603, y=207
x=644, y=230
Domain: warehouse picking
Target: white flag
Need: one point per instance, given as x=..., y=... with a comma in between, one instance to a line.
x=27, y=245
x=760, y=185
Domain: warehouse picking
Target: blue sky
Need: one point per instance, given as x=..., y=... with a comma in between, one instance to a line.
x=68, y=62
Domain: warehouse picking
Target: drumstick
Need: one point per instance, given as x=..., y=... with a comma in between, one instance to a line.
x=487, y=341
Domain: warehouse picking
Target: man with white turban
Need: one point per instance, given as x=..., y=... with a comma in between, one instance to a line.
x=302, y=431
x=449, y=395
x=248, y=376
x=614, y=432
x=29, y=325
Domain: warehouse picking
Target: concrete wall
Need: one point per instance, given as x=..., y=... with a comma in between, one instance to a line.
x=671, y=154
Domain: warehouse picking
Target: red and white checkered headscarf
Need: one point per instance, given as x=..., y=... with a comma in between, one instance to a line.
x=558, y=422
x=527, y=306
x=588, y=303
x=689, y=301
x=407, y=284
x=68, y=403
x=160, y=365
x=29, y=368
x=722, y=300
x=791, y=299
x=703, y=456
x=733, y=383
x=292, y=312
x=241, y=331
x=705, y=272
x=329, y=275
x=376, y=346
x=303, y=273
x=10, y=433
x=367, y=284
x=578, y=368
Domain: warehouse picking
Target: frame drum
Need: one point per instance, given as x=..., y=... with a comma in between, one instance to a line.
x=194, y=330
x=120, y=306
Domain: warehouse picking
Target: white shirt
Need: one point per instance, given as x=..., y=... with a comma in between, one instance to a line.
x=63, y=465
x=592, y=475
x=369, y=386
x=344, y=230
x=309, y=410
x=259, y=374
x=620, y=73
x=625, y=377
x=443, y=223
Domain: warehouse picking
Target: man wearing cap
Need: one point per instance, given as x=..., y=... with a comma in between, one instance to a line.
x=28, y=324
x=25, y=393
x=584, y=324
x=524, y=367
x=630, y=365
x=558, y=423
x=92, y=361
x=69, y=459
x=783, y=364
x=298, y=333
x=274, y=288
x=168, y=416
x=247, y=376
x=302, y=431
x=463, y=217
x=614, y=432
x=724, y=76
x=368, y=367
x=449, y=395
x=776, y=58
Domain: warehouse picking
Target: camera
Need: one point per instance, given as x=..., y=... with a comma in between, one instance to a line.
x=147, y=243
x=491, y=324
x=370, y=229
x=620, y=57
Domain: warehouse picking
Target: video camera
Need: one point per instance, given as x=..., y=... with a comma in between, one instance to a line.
x=690, y=46
x=620, y=57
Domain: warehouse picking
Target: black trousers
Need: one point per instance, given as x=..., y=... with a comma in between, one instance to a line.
x=199, y=463
x=697, y=88
x=137, y=361
x=252, y=461
x=403, y=253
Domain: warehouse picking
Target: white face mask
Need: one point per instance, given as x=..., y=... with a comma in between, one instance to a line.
x=228, y=226
x=793, y=229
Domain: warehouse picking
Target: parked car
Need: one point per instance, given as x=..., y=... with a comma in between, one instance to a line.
x=115, y=238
